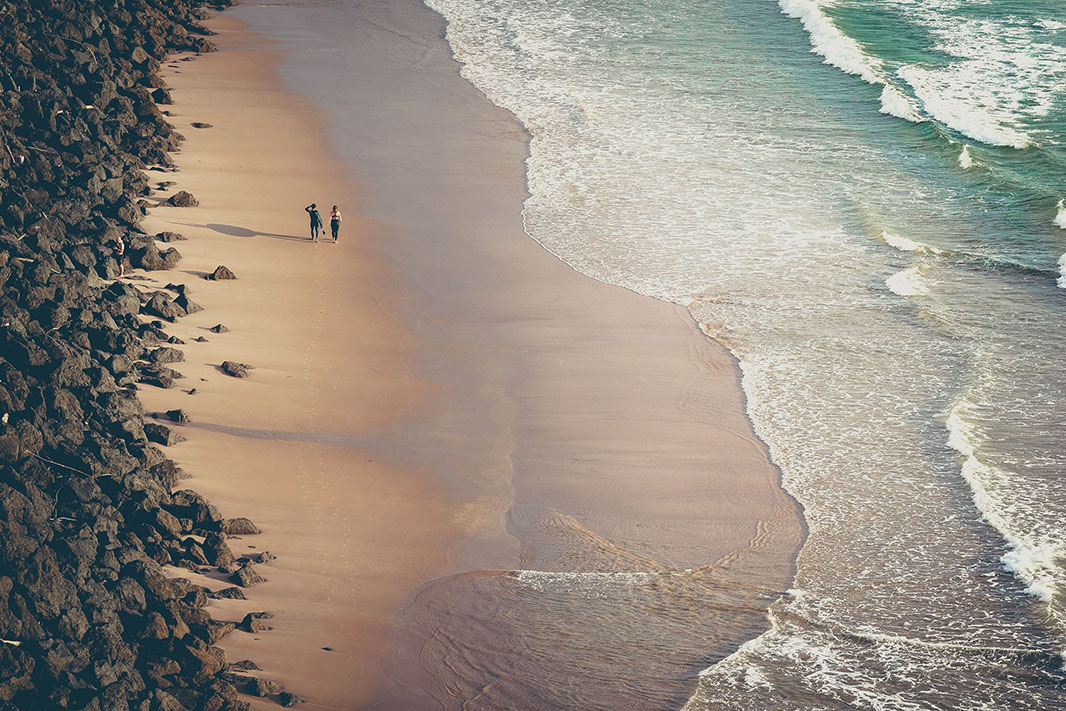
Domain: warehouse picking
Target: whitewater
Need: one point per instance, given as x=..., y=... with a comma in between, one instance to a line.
x=863, y=200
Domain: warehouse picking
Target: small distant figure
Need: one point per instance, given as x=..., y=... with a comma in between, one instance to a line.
x=316, y=220
x=335, y=221
x=120, y=251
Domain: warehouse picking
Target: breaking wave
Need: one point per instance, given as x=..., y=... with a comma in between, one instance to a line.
x=831, y=44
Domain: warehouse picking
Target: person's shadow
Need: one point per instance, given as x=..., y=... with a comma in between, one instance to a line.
x=235, y=231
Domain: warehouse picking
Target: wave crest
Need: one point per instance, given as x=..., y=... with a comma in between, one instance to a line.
x=896, y=103
x=947, y=97
x=908, y=245
x=1033, y=561
x=834, y=46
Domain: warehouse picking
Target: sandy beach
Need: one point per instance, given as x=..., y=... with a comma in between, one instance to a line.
x=328, y=363
x=672, y=356
x=448, y=437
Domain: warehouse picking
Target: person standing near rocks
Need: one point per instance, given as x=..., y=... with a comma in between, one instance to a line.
x=316, y=220
x=120, y=251
x=335, y=221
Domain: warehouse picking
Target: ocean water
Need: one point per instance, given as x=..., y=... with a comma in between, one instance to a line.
x=864, y=200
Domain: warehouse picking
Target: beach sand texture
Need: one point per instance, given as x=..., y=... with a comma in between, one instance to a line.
x=328, y=364
x=487, y=478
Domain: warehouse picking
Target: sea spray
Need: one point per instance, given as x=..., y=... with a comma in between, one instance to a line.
x=965, y=160
x=1060, y=215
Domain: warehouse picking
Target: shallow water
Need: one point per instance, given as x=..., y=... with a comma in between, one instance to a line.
x=863, y=200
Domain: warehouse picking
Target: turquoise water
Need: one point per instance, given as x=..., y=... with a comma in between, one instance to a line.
x=862, y=199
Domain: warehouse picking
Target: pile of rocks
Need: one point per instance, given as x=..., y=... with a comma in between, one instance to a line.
x=88, y=620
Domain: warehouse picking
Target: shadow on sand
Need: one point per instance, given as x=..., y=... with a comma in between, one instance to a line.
x=235, y=231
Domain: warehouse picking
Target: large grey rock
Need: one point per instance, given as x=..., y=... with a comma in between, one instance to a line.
x=161, y=305
x=264, y=687
x=183, y=198
x=166, y=355
x=256, y=621
x=221, y=273
x=238, y=527
x=247, y=576
x=179, y=416
x=161, y=434
x=235, y=369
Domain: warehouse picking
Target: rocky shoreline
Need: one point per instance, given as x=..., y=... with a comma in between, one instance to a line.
x=89, y=513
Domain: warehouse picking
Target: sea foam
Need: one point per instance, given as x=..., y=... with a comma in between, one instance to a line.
x=908, y=245
x=834, y=46
x=896, y=103
x=1060, y=215
x=965, y=160
x=953, y=97
x=1032, y=560
x=908, y=282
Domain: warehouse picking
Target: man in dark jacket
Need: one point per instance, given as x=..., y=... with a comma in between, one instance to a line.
x=316, y=220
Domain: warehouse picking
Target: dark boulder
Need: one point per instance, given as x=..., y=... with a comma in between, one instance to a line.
x=235, y=369
x=204, y=663
x=187, y=304
x=233, y=593
x=221, y=272
x=162, y=701
x=159, y=376
x=261, y=557
x=144, y=253
x=166, y=355
x=179, y=416
x=218, y=552
x=159, y=304
x=217, y=630
x=161, y=434
x=183, y=198
x=238, y=527
x=256, y=622
x=247, y=576
x=162, y=96
x=264, y=687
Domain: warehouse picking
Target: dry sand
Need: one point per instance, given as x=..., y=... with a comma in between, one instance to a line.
x=329, y=361
x=435, y=394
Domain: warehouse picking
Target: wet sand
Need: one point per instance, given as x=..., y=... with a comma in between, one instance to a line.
x=489, y=479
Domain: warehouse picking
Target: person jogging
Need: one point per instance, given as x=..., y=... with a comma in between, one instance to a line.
x=316, y=220
x=335, y=221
